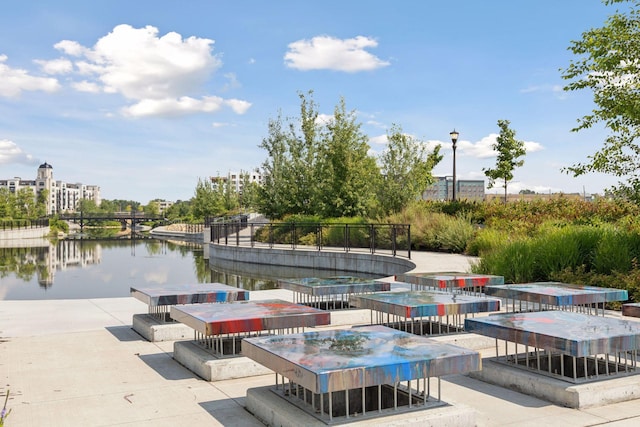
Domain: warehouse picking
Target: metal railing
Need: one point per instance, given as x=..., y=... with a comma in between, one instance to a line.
x=16, y=224
x=346, y=237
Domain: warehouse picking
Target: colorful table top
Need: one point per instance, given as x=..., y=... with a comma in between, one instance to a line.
x=450, y=280
x=425, y=303
x=188, y=294
x=248, y=316
x=557, y=293
x=332, y=360
x=338, y=285
x=575, y=334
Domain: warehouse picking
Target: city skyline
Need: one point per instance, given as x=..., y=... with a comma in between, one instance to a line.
x=144, y=99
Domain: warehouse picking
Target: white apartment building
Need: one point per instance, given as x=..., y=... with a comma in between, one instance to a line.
x=236, y=179
x=63, y=197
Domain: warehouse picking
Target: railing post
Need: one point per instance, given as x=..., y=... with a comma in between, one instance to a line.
x=251, y=236
x=293, y=235
x=393, y=239
x=372, y=238
x=409, y=239
x=271, y=235
x=237, y=233
x=346, y=237
x=319, y=236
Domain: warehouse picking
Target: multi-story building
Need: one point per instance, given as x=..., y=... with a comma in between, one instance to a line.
x=466, y=189
x=236, y=180
x=63, y=197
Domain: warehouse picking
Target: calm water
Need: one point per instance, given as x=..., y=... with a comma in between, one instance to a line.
x=72, y=269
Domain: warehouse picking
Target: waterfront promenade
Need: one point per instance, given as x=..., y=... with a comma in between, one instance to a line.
x=79, y=363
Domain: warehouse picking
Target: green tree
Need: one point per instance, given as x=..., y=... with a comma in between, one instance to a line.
x=25, y=203
x=7, y=204
x=87, y=206
x=180, y=210
x=606, y=62
x=250, y=190
x=405, y=168
x=349, y=174
x=509, y=150
x=206, y=201
x=152, y=208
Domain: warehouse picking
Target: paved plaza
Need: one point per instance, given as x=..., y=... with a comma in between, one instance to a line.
x=79, y=363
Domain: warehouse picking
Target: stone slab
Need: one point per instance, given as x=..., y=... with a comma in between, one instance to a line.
x=336, y=285
x=188, y=293
x=449, y=281
x=155, y=331
x=273, y=410
x=425, y=303
x=211, y=368
x=342, y=359
x=577, y=396
x=556, y=293
x=631, y=309
x=574, y=334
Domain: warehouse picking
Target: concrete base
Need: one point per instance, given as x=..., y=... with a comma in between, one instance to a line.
x=592, y=394
x=350, y=317
x=466, y=340
x=153, y=330
x=208, y=367
x=274, y=410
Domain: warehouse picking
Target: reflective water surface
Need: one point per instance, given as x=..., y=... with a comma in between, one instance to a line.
x=77, y=269
x=71, y=269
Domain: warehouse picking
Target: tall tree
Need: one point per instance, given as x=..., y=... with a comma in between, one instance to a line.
x=349, y=173
x=405, y=168
x=206, y=201
x=607, y=63
x=509, y=150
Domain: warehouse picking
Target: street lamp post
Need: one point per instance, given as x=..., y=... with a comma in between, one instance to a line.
x=454, y=140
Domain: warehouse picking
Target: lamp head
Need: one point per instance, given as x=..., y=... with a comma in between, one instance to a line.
x=454, y=136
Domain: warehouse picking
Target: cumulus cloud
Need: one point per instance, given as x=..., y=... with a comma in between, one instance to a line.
x=55, y=66
x=483, y=149
x=330, y=53
x=14, y=81
x=10, y=152
x=157, y=73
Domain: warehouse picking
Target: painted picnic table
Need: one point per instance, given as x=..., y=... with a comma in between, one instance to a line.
x=358, y=362
x=450, y=281
x=567, y=344
x=213, y=323
x=424, y=312
x=160, y=297
x=556, y=295
x=332, y=291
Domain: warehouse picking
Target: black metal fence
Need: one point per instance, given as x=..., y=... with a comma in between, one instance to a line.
x=395, y=238
x=17, y=224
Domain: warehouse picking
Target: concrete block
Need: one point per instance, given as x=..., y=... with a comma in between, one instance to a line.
x=274, y=410
x=212, y=368
x=578, y=396
x=154, y=331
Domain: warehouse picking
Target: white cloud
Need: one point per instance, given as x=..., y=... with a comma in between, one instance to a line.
x=324, y=119
x=86, y=86
x=483, y=148
x=13, y=81
x=10, y=152
x=55, y=66
x=379, y=140
x=157, y=73
x=330, y=53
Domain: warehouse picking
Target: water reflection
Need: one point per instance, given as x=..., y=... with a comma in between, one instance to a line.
x=71, y=269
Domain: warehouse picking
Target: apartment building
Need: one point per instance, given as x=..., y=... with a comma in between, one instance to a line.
x=63, y=197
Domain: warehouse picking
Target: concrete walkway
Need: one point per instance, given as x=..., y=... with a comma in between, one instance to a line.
x=79, y=363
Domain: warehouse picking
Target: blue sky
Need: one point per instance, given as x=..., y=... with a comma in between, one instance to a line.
x=143, y=98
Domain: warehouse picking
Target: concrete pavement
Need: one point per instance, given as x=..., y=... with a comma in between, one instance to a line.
x=79, y=363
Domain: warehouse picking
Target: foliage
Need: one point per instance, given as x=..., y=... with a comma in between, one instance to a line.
x=206, y=201
x=405, y=170
x=509, y=150
x=324, y=168
x=56, y=225
x=607, y=64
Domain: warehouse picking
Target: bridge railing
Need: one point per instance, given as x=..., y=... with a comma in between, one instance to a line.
x=395, y=238
x=16, y=224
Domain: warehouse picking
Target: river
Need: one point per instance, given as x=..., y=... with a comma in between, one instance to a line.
x=71, y=269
